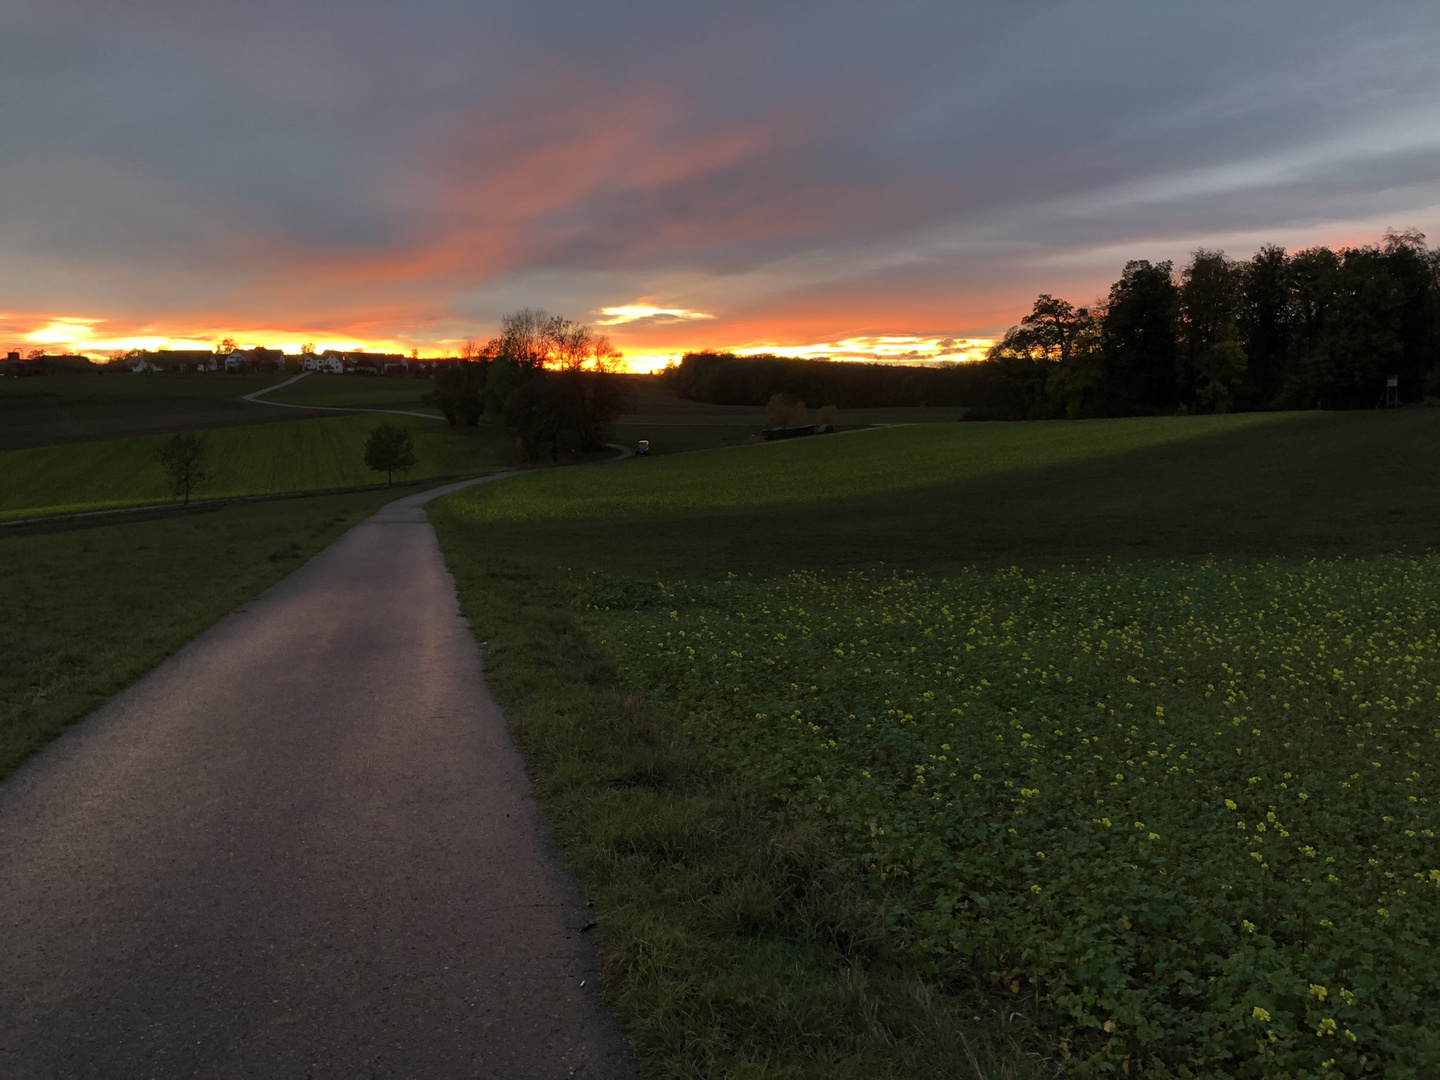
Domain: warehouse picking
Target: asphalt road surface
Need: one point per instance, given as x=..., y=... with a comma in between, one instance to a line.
x=305, y=845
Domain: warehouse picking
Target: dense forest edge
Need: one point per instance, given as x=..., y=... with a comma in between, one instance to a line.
x=1319, y=328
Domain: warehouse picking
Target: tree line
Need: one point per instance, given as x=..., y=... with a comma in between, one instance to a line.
x=722, y=378
x=1313, y=329
x=1318, y=328
x=549, y=382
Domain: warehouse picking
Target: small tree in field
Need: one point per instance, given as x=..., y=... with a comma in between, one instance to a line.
x=182, y=456
x=390, y=449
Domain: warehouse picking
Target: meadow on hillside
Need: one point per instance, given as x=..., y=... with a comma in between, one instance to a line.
x=1067, y=783
x=124, y=390
x=301, y=455
x=854, y=464
x=1188, y=809
x=357, y=391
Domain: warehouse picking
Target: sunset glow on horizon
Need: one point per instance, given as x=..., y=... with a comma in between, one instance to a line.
x=96, y=339
x=400, y=178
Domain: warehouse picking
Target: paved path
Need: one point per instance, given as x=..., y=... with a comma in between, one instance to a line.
x=255, y=397
x=255, y=394
x=302, y=846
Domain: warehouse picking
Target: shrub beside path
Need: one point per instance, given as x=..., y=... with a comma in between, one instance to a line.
x=303, y=845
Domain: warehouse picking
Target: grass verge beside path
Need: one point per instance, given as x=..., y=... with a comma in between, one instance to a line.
x=254, y=460
x=88, y=611
x=734, y=946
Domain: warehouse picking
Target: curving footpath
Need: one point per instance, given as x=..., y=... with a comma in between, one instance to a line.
x=304, y=845
x=256, y=397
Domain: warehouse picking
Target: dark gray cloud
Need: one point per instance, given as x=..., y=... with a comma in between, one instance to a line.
x=415, y=167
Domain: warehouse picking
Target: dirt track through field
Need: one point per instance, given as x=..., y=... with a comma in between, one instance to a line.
x=303, y=846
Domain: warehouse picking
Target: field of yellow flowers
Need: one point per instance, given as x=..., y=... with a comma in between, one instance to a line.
x=1188, y=810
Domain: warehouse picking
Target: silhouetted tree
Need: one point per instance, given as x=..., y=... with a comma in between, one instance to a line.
x=551, y=383
x=1028, y=362
x=390, y=448
x=1140, y=342
x=460, y=391
x=1053, y=326
x=1213, y=362
x=1415, y=271
x=1265, y=323
x=182, y=457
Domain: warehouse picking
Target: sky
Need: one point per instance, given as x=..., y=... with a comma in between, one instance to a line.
x=895, y=179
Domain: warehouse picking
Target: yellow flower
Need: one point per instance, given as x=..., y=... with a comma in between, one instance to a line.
x=1327, y=1027
x=1319, y=991
x=1260, y=1014
x=1247, y=926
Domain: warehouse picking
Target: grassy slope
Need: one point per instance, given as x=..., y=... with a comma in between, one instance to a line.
x=1320, y=485
x=88, y=611
x=122, y=390
x=45, y=411
x=674, y=425
x=800, y=473
x=257, y=459
x=736, y=947
x=356, y=391
x=682, y=438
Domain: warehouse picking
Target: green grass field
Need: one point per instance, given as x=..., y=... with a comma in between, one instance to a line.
x=89, y=610
x=56, y=409
x=250, y=460
x=1153, y=552
x=675, y=425
x=357, y=391
x=1188, y=809
x=682, y=438
x=1065, y=653
x=122, y=390
x=800, y=472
